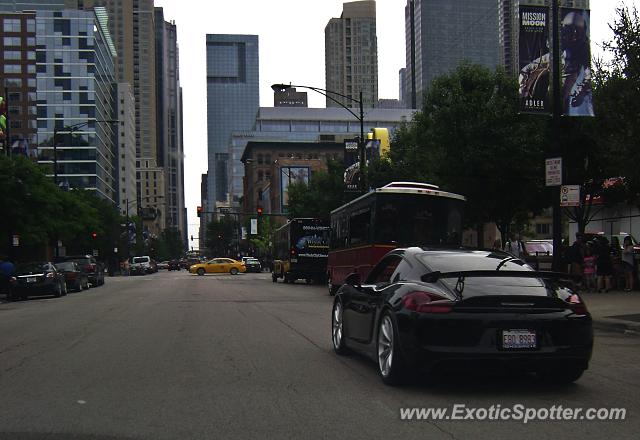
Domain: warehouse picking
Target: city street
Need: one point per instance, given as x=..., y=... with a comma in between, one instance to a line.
x=177, y=356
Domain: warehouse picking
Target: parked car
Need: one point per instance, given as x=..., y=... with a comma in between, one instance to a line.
x=219, y=265
x=141, y=265
x=163, y=265
x=455, y=310
x=38, y=278
x=174, y=265
x=88, y=263
x=253, y=265
x=75, y=278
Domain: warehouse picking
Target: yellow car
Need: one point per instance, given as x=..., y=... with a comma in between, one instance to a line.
x=219, y=265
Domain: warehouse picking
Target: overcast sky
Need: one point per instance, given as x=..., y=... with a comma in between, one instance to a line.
x=291, y=36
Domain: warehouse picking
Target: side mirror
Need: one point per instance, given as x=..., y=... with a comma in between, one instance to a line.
x=353, y=279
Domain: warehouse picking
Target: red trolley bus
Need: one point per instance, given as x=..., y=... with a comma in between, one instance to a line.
x=398, y=214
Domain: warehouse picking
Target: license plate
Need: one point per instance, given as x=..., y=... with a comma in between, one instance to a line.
x=518, y=339
x=32, y=279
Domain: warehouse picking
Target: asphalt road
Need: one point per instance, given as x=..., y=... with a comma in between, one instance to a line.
x=177, y=356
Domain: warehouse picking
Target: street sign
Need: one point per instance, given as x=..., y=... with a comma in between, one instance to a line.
x=254, y=226
x=224, y=210
x=244, y=233
x=16, y=240
x=570, y=195
x=553, y=171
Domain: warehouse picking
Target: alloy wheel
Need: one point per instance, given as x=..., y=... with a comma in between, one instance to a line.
x=385, y=346
x=337, y=326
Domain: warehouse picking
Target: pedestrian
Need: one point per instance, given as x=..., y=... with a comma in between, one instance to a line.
x=627, y=263
x=7, y=270
x=126, y=267
x=604, y=268
x=497, y=244
x=513, y=246
x=589, y=268
x=575, y=258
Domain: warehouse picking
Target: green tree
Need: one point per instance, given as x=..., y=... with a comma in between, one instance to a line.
x=470, y=139
x=220, y=235
x=324, y=193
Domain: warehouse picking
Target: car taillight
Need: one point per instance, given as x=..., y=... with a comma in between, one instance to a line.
x=425, y=302
x=576, y=305
x=50, y=275
x=293, y=251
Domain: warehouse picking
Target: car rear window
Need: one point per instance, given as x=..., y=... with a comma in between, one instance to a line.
x=140, y=259
x=67, y=265
x=466, y=261
x=32, y=267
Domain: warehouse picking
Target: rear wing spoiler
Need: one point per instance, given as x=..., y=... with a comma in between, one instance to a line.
x=435, y=276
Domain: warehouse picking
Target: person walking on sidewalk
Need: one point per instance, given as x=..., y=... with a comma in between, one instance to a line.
x=604, y=267
x=627, y=263
x=589, y=268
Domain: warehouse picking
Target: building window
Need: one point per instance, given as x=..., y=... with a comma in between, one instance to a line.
x=12, y=25
x=543, y=228
x=12, y=55
x=260, y=176
x=260, y=159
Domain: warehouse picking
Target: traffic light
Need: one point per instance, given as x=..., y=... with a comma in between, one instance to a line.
x=199, y=211
x=259, y=210
x=94, y=235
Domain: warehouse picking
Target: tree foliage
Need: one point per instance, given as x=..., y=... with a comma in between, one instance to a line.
x=220, y=233
x=324, y=193
x=42, y=214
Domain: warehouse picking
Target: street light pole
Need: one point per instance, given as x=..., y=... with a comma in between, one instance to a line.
x=556, y=143
x=360, y=117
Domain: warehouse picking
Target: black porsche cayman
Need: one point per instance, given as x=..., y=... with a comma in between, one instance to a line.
x=426, y=309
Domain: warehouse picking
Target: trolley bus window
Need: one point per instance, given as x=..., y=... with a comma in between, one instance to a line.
x=414, y=220
x=360, y=226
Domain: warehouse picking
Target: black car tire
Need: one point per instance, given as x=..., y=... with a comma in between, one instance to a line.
x=57, y=293
x=79, y=286
x=233, y=271
x=561, y=376
x=309, y=280
x=397, y=372
x=200, y=271
x=332, y=288
x=64, y=289
x=85, y=286
x=337, y=329
x=274, y=278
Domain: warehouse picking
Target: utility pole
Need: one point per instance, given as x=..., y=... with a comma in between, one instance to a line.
x=556, y=143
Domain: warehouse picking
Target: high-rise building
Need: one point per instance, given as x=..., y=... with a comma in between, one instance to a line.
x=509, y=30
x=170, y=155
x=232, y=102
x=441, y=34
x=126, y=171
x=18, y=78
x=351, y=55
x=75, y=88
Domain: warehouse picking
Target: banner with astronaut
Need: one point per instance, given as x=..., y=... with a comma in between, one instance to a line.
x=535, y=61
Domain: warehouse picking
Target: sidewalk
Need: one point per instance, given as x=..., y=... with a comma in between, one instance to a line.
x=615, y=310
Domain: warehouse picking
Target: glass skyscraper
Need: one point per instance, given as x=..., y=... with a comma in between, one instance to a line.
x=75, y=87
x=232, y=102
x=441, y=34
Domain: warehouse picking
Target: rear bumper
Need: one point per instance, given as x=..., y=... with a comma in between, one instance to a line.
x=463, y=343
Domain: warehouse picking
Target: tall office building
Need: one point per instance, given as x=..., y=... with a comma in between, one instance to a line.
x=441, y=34
x=351, y=55
x=170, y=155
x=509, y=28
x=232, y=102
x=75, y=87
x=127, y=198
